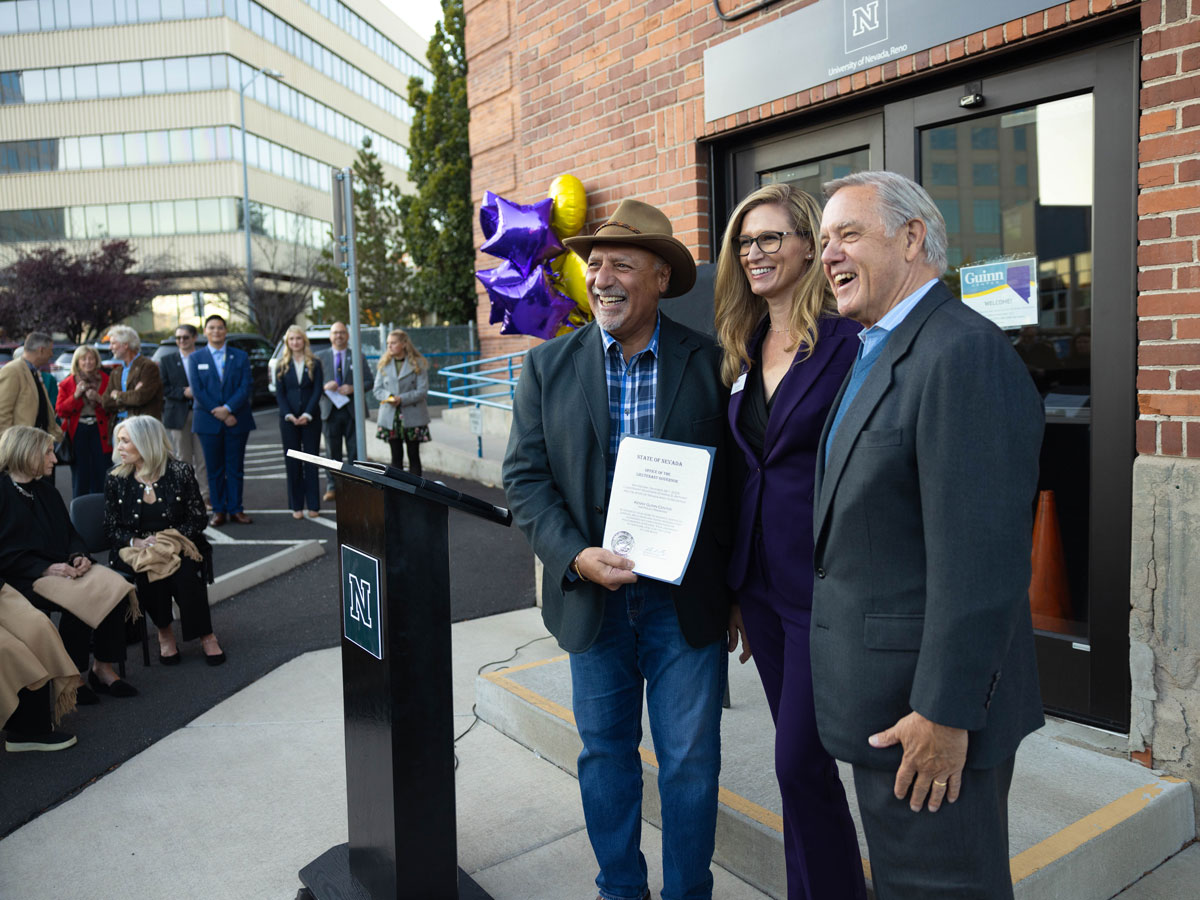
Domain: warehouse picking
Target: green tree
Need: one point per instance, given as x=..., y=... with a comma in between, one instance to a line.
x=383, y=274
x=437, y=218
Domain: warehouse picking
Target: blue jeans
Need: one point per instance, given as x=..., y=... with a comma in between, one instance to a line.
x=640, y=643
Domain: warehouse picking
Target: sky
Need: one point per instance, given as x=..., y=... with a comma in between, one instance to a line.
x=419, y=14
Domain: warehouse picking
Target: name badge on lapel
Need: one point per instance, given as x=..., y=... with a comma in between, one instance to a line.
x=738, y=385
x=201, y=366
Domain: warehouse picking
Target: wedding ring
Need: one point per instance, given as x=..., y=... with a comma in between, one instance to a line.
x=940, y=783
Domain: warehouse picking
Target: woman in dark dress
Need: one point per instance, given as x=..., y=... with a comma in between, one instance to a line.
x=148, y=493
x=37, y=539
x=786, y=354
x=298, y=383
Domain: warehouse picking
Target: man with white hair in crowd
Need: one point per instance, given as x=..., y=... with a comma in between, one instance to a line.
x=135, y=387
x=23, y=397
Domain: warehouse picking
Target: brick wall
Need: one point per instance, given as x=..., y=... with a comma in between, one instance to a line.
x=1168, y=257
x=612, y=92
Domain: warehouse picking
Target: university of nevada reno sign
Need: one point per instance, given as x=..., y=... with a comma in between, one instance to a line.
x=361, y=622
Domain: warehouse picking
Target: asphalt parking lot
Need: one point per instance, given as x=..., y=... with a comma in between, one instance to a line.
x=260, y=629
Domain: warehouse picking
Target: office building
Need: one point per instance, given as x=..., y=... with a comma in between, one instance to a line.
x=120, y=118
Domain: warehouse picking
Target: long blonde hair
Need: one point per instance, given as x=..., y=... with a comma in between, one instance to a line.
x=149, y=438
x=738, y=311
x=285, y=359
x=411, y=353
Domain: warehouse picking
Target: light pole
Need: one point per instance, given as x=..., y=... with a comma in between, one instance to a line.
x=270, y=73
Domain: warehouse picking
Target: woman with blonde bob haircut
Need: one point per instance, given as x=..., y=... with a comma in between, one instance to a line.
x=298, y=380
x=154, y=519
x=401, y=385
x=39, y=546
x=80, y=407
x=786, y=355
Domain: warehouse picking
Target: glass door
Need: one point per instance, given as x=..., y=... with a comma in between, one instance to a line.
x=1026, y=175
x=806, y=158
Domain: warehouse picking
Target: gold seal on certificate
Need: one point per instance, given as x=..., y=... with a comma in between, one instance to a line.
x=657, y=501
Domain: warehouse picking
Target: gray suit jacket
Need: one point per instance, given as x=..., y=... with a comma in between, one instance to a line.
x=923, y=521
x=174, y=380
x=555, y=473
x=354, y=374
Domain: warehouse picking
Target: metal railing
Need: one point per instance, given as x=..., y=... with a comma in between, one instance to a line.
x=482, y=382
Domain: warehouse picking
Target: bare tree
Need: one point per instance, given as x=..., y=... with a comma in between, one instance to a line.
x=285, y=275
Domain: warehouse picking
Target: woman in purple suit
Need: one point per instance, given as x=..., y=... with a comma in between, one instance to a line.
x=786, y=354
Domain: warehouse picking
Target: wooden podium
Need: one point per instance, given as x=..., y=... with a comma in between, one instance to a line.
x=396, y=687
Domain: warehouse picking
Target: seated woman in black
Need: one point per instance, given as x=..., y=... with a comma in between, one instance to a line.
x=147, y=493
x=37, y=539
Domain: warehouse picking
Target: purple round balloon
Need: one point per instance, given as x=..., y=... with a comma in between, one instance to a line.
x=523, y=234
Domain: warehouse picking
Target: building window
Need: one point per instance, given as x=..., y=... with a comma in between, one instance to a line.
x=985, y=138
x=985, y=174
x=943, y=174
x=986, y=216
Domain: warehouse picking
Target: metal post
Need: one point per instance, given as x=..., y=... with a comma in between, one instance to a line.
x=358, y=398
x=270, y=73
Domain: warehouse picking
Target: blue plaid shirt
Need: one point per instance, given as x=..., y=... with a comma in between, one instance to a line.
x=632, y=390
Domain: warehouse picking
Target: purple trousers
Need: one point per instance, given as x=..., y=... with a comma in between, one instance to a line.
x=819, y=841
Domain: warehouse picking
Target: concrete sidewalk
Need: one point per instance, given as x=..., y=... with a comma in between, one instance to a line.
x=233, y=805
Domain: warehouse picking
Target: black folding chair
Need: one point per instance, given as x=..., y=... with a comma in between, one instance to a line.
x=87, y=515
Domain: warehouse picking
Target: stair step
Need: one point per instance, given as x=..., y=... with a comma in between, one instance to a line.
x=1083, y=824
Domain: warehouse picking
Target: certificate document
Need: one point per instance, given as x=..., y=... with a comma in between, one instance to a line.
x=658, y=495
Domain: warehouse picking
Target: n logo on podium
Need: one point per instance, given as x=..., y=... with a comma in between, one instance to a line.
x=360, y=601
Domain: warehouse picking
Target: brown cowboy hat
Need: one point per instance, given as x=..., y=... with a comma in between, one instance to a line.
x=642, y=225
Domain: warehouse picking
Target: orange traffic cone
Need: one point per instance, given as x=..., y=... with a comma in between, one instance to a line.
x=1049, y=593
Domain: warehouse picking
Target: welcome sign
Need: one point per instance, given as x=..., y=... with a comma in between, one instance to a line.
x=1005, y=292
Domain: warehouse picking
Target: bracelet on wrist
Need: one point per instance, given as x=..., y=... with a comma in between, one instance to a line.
x=575, y=567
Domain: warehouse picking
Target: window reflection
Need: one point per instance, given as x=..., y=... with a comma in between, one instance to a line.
x=1031, y=195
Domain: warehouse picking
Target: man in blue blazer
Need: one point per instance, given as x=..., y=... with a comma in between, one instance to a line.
x=222, y=418
x=924, y=673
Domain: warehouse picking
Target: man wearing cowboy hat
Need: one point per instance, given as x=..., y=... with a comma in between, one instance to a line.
x=632, y=371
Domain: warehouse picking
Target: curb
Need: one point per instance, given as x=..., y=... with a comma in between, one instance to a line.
x=255, y=573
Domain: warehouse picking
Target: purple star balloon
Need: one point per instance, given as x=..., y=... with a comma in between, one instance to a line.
x=525, y=304
x=523, y=234
x=488, y=215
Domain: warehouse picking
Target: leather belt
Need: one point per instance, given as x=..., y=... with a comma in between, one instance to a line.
x=87, y=420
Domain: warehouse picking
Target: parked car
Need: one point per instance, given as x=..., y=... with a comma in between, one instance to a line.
x=257, y=347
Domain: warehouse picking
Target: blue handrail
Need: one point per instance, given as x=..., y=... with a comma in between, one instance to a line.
x=482, y=382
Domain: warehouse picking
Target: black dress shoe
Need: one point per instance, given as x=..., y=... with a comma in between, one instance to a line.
x=85, y=696
x=119, y=688
x=172, y=660
x=215, y=660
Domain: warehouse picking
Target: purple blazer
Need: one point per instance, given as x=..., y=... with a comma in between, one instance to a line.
x=779, y=487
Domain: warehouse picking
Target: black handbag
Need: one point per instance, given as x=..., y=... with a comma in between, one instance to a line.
x=64, y=450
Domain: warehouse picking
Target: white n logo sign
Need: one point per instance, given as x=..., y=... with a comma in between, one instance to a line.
x=360, y=600
x=866, y=18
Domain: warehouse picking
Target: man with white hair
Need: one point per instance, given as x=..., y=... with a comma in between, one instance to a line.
x=23, y=397
x=926, y=473
x=135, y=387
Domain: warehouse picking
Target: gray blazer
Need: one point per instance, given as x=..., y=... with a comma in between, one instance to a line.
x=923, y=522
x=410, y=387
x=354, y=375
x=174, y=379
x=556, y=476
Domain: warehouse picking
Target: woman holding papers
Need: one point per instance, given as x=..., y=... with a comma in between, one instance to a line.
x=786, y=354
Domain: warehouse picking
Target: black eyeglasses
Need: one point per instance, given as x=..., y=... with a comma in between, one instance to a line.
x=182, y=337
x=768, y=241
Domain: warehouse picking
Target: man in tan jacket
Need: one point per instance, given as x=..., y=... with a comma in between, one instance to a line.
x=23, y=397
x=135, y=386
